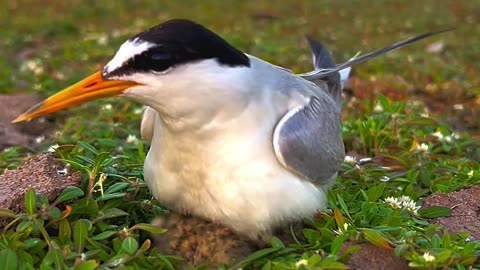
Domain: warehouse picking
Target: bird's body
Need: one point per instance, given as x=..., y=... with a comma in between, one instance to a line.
x=218, y=161
x=234, y=139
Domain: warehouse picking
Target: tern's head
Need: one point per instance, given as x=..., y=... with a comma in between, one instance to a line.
x=152, y=65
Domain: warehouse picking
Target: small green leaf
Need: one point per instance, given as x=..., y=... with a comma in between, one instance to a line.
x=434, y=212
x=103, y=235
x=68, y=194
x=87, y=207
x=99, y=159
x=110, y=213
x=435, y=241
x=88, y=147
x=337, y=243
x=376, y=238
x=55, y=256
x=312, y=235
x=54, y=213
x=4, y=212
x=25, y=260
x=88, y=265
x=117, y=187
x=376, y=192
x=130, y=245
x=149, y=228
x=117, y=260
x=43, y=199
x=110, y=196
x=277, y=243
x=64, y=231
x=31, y=242
x=30, y=201
x=24, y=226
x=446, y=241
x=443, y=256
x=80, y=233
x=8, y=259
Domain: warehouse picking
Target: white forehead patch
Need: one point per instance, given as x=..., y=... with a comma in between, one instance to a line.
x=128, y=50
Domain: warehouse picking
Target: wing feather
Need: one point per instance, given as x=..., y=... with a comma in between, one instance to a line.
x=308, y=141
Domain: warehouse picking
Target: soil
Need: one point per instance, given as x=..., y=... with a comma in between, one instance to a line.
x=23, y=133
x=200, y=242
x=42, y=173
x=371, y=257
x=465, y=215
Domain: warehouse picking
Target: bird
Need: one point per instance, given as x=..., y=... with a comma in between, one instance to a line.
x=233, y=139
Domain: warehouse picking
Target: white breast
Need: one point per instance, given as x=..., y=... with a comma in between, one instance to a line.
x=229, y=173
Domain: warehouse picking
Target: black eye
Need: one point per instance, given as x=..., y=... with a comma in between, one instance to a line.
x=160, y=56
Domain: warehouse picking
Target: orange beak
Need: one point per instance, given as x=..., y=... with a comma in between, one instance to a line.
x=90, y=88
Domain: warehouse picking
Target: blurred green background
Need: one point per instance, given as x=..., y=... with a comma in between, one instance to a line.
x=72, y=39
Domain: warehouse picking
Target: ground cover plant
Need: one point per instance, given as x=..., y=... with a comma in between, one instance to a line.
x=410, y=128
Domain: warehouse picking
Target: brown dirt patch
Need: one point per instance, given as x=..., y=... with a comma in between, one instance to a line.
x=23, y=133
x=371, y=257
x=200, y=242
x=43, y=173
x=465, y=215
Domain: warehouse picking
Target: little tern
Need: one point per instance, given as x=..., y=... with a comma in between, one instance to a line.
x=234, y=139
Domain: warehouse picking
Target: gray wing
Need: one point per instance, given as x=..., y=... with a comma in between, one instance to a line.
x=324, y=72
x=323, y=60
x=308, y=140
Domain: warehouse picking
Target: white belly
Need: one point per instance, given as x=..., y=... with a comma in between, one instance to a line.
x=239, y=184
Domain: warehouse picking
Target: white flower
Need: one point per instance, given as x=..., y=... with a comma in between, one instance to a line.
x=102, y=40
x=458, y=107
x=32, y=66
x=53, y=148
x=393, y=202
x=470, y=173
x=132, y=139
x=404, y=202
x=378, y=108
x=438, y=134
x=39, y=139
x=138, y=111
x=107, y=107
x=342, y=230
x=422, y=147
x=428, y=258
x=350, y=159
x=448, y=138
x=8, y=149
x=301, y=262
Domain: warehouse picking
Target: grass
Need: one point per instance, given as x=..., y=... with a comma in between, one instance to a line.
x=46, y=46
